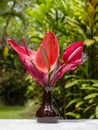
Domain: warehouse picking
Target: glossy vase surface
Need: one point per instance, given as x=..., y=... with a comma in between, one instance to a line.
x=46, y=113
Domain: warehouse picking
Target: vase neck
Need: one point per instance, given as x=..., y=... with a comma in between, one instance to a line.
x=47, y=99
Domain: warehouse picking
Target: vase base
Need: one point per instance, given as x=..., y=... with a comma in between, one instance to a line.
x=47, y=119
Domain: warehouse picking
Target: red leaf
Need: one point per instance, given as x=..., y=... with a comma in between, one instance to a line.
x=47, y=54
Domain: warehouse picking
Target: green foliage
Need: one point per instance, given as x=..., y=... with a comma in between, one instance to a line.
x=81, y=92
x=81, y=98
x=87, y=25
x=13, y=82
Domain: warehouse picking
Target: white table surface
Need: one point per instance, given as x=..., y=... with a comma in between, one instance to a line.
x=24, y=124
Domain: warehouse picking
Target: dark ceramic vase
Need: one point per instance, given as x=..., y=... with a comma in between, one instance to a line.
x=46, y=113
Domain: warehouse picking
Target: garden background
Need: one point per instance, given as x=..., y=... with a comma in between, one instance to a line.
x=76, y=94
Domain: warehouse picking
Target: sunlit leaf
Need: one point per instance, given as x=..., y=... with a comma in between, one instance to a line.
x=42, y=10
x=71, y=84
x=48, y=5
x=79, y=104
x=96, y=111
x=89, y=42
x=89, y=88
x=92, y=95
x=96, y=38
x=73, y=101
x=92, y=116
x=75, y=115
x=95, y=85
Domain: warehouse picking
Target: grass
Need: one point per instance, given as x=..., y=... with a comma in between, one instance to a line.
x=15, y=112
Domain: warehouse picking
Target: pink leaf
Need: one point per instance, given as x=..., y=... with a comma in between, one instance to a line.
x=73, y=52
x=41, y=77
x=22, y=50
x=72, y=58
x=61, y=72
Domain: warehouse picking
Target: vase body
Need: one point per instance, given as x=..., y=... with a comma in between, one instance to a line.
x=46, y=113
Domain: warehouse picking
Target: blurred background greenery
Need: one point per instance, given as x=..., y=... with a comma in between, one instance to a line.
x=76, y=94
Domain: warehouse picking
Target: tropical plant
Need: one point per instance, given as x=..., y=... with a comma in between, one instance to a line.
x=44, y=65
x=71, y=20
